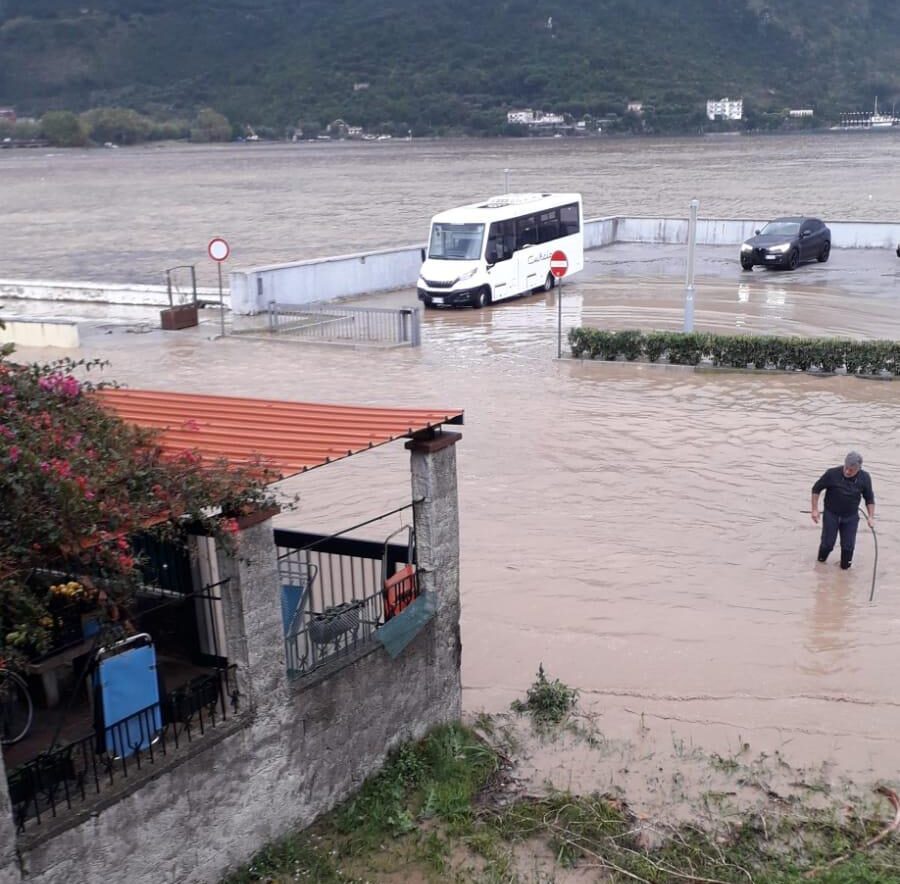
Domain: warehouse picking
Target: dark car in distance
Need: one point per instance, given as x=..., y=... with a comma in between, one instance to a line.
x=787, y=242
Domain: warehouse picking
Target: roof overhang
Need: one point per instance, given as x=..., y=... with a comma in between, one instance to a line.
x=287, y=437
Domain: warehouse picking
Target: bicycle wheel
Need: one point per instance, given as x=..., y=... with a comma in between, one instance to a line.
x=15, y=708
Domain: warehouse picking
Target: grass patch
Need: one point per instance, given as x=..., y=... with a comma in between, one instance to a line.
x=547, y=702
x=438, y=808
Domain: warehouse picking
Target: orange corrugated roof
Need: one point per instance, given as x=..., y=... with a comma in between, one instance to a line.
x=289, y=437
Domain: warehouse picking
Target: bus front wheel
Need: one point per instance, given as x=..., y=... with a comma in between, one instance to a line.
x=549, y=282
x=482, y=299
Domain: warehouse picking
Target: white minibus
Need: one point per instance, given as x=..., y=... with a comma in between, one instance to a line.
x=500, y=248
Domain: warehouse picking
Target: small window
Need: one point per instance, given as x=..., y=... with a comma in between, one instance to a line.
x=569, y=221
x=526, y=231
x=501, y=241
x=548, y=226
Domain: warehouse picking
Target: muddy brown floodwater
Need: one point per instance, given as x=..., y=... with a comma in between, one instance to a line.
x=639, y=530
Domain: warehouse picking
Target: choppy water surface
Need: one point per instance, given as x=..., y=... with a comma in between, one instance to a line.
x=126, y=215
x=638, y=530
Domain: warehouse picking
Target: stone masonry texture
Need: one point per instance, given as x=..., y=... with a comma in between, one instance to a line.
x=305, y=745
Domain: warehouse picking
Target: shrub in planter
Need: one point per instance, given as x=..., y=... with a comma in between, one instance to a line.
x=687, y=349
x=655, y=345
x=603, y=345
x=628, y=344
x=578, y=341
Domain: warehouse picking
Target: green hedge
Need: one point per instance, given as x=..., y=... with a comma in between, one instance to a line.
x=739, y=351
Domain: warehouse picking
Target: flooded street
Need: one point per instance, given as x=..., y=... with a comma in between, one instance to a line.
x=639, y=530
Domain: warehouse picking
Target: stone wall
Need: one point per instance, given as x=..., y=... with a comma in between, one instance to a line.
x=300, y=749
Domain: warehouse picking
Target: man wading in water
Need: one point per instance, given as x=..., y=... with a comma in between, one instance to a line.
x=843, y=487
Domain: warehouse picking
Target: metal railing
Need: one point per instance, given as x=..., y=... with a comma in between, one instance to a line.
x=333, y=323
x=76, y=773
x=336, y=587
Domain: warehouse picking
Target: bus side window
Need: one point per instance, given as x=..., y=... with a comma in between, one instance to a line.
x=526, y=232
x=568, y=218
x=548, y=228
x=500, y=242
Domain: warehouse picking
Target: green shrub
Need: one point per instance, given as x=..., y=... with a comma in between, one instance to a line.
x=739, y=351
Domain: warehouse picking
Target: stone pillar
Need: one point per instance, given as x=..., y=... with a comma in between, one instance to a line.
x=251, y=601
x=10, y=870
x=436, y=508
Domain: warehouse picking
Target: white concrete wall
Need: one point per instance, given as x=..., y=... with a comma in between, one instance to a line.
x=39, y=333
x=96, y=292
x=328, y=278
x=726, y=232
x=324, y=279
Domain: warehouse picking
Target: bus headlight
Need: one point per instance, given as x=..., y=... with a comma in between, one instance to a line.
x=467, y=275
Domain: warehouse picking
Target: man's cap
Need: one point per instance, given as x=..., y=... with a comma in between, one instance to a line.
x=853, y=459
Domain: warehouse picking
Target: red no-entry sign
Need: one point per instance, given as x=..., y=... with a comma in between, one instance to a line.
x=559, y=264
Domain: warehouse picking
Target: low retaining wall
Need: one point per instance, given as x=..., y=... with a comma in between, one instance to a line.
x=341, y=276
x=97, y=292
x=732, y=232
x=40, y=333
x=324, y=279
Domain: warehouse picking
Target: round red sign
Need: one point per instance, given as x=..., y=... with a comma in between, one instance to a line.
x=218, y=249
x=559, y=264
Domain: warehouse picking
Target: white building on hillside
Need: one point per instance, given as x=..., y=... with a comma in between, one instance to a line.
x=801, y=112
x=529, y=117
x=725, y=109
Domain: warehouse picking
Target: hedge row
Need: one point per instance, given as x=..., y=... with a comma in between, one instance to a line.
x=739, y=351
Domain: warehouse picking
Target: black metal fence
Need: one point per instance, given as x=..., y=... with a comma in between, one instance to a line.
x=334, y=596
x=78, y=772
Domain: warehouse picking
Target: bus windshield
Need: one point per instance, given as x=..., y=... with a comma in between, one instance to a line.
x=456, y=242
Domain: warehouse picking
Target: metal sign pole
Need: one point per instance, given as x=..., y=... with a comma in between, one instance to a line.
x=221, y=301
x=559, y=318
x=689, y=278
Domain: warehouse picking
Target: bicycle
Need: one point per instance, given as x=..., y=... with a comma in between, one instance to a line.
x=16, y=708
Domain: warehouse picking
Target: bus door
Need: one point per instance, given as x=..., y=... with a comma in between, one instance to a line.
x=499, y=255
x=528, y=254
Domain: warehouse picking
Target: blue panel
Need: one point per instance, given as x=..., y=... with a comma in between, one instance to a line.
x=128, y=685
x=291, y=600
x=401, y=629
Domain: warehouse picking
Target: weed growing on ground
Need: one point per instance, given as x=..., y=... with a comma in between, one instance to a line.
x=430, y=808
x=547, y=702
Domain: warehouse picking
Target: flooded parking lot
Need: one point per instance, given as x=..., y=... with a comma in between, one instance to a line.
x=639, y=530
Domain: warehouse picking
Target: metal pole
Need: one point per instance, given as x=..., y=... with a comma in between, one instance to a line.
x=221, y=300
x=506, y=179
x=559, y=318
x=689, y=279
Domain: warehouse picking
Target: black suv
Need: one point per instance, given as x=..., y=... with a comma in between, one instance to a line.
x=787, y=242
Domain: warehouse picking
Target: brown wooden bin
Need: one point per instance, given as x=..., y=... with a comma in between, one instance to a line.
x=182, y=316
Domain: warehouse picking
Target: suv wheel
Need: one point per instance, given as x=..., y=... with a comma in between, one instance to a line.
x=793, y=260
x=825, y=253
x=746, y=265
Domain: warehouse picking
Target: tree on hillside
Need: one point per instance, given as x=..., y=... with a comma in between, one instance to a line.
x=63, y=129
x=118, y=125
x=80, y=487
x=210, y=125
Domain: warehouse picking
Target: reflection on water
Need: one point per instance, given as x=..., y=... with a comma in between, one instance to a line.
x=834, y=606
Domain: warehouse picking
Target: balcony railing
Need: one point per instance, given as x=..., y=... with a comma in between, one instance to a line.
x=76, y=773
x=334, y=597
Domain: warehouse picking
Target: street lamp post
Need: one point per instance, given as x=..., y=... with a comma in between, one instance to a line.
x=689, y=276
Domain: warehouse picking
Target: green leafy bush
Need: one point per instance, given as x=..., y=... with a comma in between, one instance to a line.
x=78, y=485
x=740, y=351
